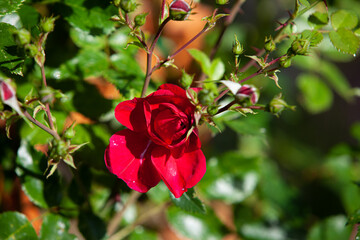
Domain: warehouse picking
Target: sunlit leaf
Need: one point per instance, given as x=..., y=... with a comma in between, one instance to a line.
x=55, y=227
x=344, y=19
x=7, y=7
x=317, y=97
x=189, y=202
x=15, y=225
x=345, y=40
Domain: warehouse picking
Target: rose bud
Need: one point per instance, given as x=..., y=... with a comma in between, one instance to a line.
x=247, y=92
x=128, y=5
x=47, y=24
x=140, y=19
x=22, y=36
x=222, y=2
x=186, y=80
x=179, y=10
x=285, y=61
x=237, y=47
x=277, y=105
x=269, y=44
x=8, y=96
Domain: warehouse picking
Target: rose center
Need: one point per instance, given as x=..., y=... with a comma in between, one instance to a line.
x=169, y=125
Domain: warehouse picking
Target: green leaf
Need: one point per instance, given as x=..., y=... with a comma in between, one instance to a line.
x=333, y=228
x=92, y=63
x=304, y=3
x=314, y=37
x=318, y=19
x=29, y=16
x=202, y=59
x=7, y=6
x=84, y=39
x=189, y=202
x=231, y=188
x=345, y=40
x=260, y=232
x=10, y=58
x=217, y=69
x=142, y=234
x=29, y=163
x=357, y=32
x=317, y=97
x=91, y=226
x=55, y=227
x=15, y=225
x=92, y=17
x=200, y=227
x=344, y=19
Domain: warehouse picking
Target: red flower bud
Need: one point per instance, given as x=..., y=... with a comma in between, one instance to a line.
x=179, y=10
x=247, y=91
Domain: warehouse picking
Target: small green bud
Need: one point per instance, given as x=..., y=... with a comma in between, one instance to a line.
x=269, y=44
x=212, y=110
x=22, y=36
x=140, y=19
x=117, y=3
x=31, y=50
x=47, y=24
x=206, y=97
x=70, y=132
x=128, y=5
x=237, y=48
x=179, y=10
x=277, y=105
x=300, y=46
x=285, y=61
x=222, y=2
x=186, y=80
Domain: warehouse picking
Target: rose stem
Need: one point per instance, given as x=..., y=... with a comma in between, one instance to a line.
x=260, y=53
x=149, y=57
x=130, y=228
x=42, y=126
x=115, y=221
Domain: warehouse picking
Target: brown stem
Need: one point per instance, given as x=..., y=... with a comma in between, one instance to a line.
x=227, y=23
x=115, y=221
x=42, y=126
x=129, y=228
x=149, y=57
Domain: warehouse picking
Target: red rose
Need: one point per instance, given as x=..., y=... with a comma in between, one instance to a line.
x=159, y=144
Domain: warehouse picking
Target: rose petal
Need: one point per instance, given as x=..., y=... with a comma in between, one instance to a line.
x=179, y=174
x=132, y=113
x=128, y=157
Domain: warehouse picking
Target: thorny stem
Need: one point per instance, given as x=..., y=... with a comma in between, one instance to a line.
x=277, y=37
x=149, y=56
x=128, y=229
x=115, y=221
x=227, y=23
x=178, y=50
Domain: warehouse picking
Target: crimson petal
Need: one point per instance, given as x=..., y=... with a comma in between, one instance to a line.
x=128, y=157
x=132, y=114
x=179, y=174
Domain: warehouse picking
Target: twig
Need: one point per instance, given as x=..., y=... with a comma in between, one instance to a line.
x=115, y=221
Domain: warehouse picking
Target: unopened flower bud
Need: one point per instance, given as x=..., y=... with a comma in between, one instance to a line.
x=47, y=24
x=31, y=50
x=212, y=110
x=206, y=97
x=300, y=46
x=179, y=10
x=22, y=36
x=222, y=2
x=285, y=61
x=269, y=44
x=8, y=95
x=237, y=48
x=117, y=3
x=247, y=92
x=186, y=80
x=277, y=105
x=70, y=132
x=140, y=19
x=128, y=5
